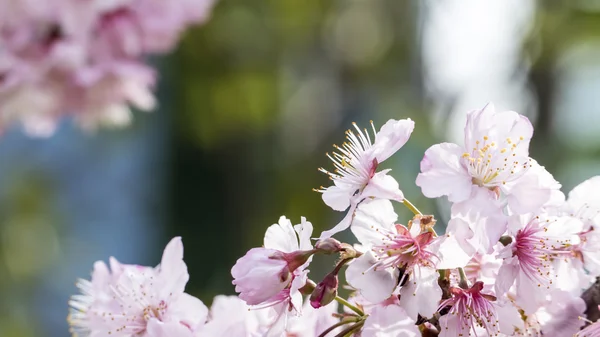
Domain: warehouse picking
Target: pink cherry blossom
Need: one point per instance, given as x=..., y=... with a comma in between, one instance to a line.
x=491, y=164
x=274, y=273
x=469, y=308
x=355, y=177
x=393, y=248
x=389, y=321
x=527, y=260
x=141, y=301
x=85, y=59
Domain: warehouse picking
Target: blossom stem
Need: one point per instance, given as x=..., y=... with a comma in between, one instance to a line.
x=411, y=207
x=351, y=329
x=464, y=282
x=338, y=324
x=350, y=306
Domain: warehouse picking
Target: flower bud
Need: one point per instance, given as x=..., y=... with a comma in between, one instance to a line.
x=325, y=292
x=328, y=246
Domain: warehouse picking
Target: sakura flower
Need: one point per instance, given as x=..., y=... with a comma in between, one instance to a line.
x=84, y=58
x=468, y=309
x=143, y=301
x=537, y=239
x=355, y=177
x=274, y=273
x=490, y=164
x=389, y=321
x=396, y=255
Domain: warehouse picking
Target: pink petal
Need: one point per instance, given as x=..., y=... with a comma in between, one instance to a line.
x=281, y=236
x=156, y=328
x=421, y=294
x=392, y=136
x=456, y=250
x=370, y=215
x=383, y=186
x=442, y=173
x=338, y=197
x=375, y=285
x=389, y=321
x=506, y=276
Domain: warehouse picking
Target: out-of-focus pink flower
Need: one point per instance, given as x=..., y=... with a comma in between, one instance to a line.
x=492, y=164
x=275, y=273
x=139, y=300
x=355, y=177
x=84, y=58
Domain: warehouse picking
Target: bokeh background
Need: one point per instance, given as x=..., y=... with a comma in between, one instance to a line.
x=250, y=103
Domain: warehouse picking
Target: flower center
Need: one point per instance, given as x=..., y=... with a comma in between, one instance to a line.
x=401, y=250
x=352, y=163
x=491, y=165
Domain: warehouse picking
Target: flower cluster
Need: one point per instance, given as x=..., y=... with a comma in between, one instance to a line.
x=84, y=58
x=513, y=260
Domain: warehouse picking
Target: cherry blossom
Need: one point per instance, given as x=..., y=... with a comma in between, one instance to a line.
x=274, y=273
x=85, y=59
x=490, y=165
x=396, y=255
x=469, y=308
x=356, y=161
x=141, y=301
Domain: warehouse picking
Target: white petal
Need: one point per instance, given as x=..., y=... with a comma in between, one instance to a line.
x=383, y=186
x=506, y=275
x=304, y=230
x=442, y=173
x=389, y=321
x=371, y=215
x=375, y=285
x=281, y=236
x=421, y=294
x=456, y=250
x=338, y=196
x=342, y=225
x=391, y=137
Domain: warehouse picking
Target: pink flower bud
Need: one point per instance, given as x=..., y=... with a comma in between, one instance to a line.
x=260, y=275
x=325, y=292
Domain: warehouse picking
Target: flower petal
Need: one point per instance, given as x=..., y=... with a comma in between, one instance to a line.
x=375, y=285
x=442, y=173
x=389, y=321
x=422, y=294
x=281, y=236
x=369, y=216
x=391, y=137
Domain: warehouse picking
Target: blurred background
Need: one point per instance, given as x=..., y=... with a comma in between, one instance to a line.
x=250, y=103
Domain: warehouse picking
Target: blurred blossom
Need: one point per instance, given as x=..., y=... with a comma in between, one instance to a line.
x=472, y=55
x=359, y=34
x=579, y=82
x=84, y=59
